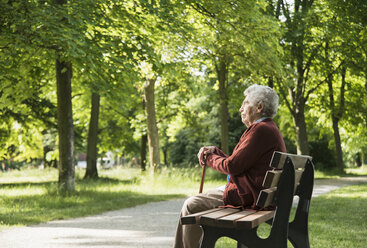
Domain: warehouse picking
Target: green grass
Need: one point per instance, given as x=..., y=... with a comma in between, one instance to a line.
x=335, y=173
x=337, y=220
x=30, y=196
x=358, y=171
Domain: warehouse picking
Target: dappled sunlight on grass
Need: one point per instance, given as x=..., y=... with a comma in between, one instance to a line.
x=31, y=196
x=29, y=175
x=335, y=173
x=22, y=191
x=325, y=175
x=362, y=171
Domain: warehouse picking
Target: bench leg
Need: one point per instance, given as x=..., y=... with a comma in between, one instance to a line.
x=248, y=237
x=298, y=239
x=298, y=236
x=210, y=237
x=239, y=245
x=298, y=229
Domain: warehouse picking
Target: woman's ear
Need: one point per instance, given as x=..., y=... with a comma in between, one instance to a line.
x=260, y=107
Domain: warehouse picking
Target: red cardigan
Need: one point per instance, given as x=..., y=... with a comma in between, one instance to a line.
x=248, y=163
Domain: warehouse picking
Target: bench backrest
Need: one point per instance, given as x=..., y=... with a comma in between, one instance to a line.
x=267, y=195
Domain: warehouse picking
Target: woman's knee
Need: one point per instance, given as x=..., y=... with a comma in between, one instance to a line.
x=192, y=205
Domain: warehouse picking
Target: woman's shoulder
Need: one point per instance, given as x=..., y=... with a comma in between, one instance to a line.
x=265, y=126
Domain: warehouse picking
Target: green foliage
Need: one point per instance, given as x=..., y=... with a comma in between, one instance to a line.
x=184, y=149
x=239, y=32
x=111, y=43
x=322, y=155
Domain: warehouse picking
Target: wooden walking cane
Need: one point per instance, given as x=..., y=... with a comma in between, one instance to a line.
x=202, y=179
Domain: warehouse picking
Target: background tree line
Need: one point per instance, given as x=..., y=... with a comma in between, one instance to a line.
x=163, y=78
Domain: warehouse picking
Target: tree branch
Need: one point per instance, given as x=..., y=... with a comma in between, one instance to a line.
x=201, y=9
x=323, y=81
x=342, y=94
x=285, y=10
x=308, y=64
x=286, y=100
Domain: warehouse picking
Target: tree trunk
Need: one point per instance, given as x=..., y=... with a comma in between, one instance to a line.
x=301, y=130
x=143, y=152
x=271, y=82
x=222, y=72
x=338, y=144
x=65, y=126
x=45, y=162
x=91, y=171
x=365, y=86
x=299, y=97
x=165, y=154
x=296, y=24
x=153, y=138
x=296, y=107
x=358, y=160
x=336, y=115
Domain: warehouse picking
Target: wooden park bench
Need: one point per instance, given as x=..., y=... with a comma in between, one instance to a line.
x=289, y=175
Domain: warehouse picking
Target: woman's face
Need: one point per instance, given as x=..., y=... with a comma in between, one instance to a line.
x=249, y=113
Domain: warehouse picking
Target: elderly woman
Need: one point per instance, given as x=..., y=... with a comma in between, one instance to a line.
x=246, y=167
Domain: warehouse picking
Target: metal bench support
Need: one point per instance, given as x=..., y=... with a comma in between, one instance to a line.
x=298, y=228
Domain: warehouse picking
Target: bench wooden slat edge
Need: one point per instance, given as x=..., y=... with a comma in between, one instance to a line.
x=245, y=219
x=272, y=178
x=266, y=197
x=230, y=220
x=194, y=218
x=278, y=159
x=255, y=219
x=211, y=218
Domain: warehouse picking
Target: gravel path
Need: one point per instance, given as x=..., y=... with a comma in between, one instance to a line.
x=141, y=226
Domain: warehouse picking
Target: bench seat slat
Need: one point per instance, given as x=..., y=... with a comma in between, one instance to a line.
x=230, y=220
x=194, y=218
x=255, y=219
x=211, y=218
x=245, y=219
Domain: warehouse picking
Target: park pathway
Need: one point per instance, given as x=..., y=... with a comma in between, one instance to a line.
x=149, y=225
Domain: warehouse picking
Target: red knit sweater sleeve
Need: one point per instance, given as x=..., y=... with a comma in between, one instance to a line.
x=244, y=156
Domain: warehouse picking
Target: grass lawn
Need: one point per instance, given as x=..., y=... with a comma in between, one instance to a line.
x=335, y=173
x=30, y=196
x=337, y=219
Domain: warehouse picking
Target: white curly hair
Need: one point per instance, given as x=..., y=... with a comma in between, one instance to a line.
x=260, y=93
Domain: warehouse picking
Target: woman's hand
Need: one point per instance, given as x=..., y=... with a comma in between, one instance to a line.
x=204, y=152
